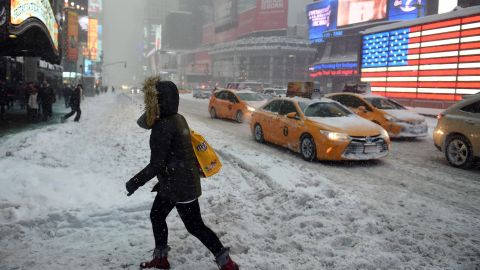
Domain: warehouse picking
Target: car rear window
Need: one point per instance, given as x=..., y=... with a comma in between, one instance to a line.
x=250, y=96
x=326, y=109
x=385, y=104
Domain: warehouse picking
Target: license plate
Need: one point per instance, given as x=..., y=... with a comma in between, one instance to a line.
x=370, y=148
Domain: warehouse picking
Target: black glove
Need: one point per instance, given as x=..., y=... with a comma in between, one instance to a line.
x=132, y=185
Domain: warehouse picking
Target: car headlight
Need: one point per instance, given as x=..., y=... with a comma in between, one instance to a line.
x=335, y=136
x=250, y=108
x=384, y=134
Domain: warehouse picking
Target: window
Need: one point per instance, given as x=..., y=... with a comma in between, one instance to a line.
x=287, y=107
x=250, y=96
x=472, y=108
x=222, y=95
x=326, y=109
x=385, y=104
x=231, y=97
x=273, y=106
x=350, y=101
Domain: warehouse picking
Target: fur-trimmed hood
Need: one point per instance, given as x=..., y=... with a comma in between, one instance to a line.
x=161, y=100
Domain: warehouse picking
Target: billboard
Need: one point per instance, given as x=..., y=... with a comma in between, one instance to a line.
x=334, y=69
x=158, y=37
x=436, y=61
x=271, y=15
x=95, y=6
x=322, y=16
x=92, y=44
x=406, y=9
x=72, y=36
x=357, y=11
x=225, y=13
x=22, y=10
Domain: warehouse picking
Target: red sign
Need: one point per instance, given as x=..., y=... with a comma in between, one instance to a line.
x=271, y=15
x=72, y=36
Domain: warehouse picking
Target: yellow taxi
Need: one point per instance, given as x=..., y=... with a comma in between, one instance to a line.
x=319, y=129
x=236, y=105
x=396, y=119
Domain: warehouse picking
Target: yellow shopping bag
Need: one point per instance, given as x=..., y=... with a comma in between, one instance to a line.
x=207, y=160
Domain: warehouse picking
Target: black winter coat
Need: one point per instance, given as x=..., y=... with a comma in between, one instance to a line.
x=75, y=98
x=172, y=157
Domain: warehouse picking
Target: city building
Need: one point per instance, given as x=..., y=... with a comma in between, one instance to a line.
x=263, y=41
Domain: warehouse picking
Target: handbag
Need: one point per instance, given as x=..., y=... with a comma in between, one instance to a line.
x=207, y=160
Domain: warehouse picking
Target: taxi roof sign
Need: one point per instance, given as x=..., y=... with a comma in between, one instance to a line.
x=300, y=89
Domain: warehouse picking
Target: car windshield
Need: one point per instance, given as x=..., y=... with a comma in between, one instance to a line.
x=250, y=96
x=280, y=92
x=385, y=104
x=326, y=109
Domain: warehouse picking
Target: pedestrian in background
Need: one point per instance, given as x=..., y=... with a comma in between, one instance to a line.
x=3, y=99
x=172, y=160
x=48, y=98
x=67, y=92
x=75, y=100
x=33, y=103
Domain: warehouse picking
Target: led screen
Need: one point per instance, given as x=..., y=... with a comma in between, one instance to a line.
x=21, y=10
x=406, y=9
x=322, y=16
x=438, y=60
x=357, y=11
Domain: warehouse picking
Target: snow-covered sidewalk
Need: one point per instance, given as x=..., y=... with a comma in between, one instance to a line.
x=63, y=205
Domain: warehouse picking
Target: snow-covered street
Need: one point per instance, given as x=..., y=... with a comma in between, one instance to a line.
x=63, y=202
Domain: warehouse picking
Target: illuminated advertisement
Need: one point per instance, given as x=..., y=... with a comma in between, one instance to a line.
x=158, y=37
x=322, y=16
x=92, y=44
x=94, y=6
x=357, y=11
x=436, y=61
x=406, y=9
x=72, y=36
x=22, y=10
x=334, y=69
x=225, y=14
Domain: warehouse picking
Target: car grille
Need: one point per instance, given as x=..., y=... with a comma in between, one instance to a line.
x=357, y=145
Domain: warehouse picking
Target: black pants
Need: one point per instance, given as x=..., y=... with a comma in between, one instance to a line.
x=191, y=217
x=74, y=110
x=47, y=111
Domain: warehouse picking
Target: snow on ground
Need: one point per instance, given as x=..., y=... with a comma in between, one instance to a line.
x=63, y=204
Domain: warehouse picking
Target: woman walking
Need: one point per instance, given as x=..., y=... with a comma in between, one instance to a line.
x=173, y=162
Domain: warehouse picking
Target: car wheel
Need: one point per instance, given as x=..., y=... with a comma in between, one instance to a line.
x=307, y=148
x=239, y=117
x=458, y=151
x=258, y=133
x=213, y=113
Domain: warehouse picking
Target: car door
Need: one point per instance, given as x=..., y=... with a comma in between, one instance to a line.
x=232, y=105
x=470, y=124
x=288, y=128
x=269, y=119
x=222, y=104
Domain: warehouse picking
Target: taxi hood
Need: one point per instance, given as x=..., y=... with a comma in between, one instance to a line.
x=352, y=125
x=405, y=115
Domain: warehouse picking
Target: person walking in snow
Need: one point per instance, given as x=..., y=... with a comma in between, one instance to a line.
x=173, y=162
x=48, y=98
x=75, y=100
x=33, y=103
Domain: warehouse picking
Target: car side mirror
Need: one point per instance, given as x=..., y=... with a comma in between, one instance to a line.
x=293, y=115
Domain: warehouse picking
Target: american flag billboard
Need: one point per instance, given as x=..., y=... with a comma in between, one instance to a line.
x=437, y=61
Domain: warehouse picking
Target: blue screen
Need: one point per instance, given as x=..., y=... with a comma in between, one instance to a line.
x=406, y=9
x=322, y=16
